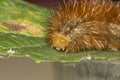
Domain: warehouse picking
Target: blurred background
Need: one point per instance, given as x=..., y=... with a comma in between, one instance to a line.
x=46, y=3
x=49, y=3
x=25, y=69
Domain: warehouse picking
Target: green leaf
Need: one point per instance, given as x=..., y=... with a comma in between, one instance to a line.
x=40, y=51
x=30, y=39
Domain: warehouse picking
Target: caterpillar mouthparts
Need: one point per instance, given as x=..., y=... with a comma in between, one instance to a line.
x=79, y=25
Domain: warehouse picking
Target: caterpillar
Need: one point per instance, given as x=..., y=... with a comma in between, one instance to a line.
x=79, y=25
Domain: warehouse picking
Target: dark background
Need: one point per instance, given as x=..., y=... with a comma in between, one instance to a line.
x=46, y=3
x=49, y=3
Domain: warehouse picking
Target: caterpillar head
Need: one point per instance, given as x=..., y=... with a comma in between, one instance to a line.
x=59, y=41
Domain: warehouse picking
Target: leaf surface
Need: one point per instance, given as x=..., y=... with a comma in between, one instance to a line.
x=27, y=36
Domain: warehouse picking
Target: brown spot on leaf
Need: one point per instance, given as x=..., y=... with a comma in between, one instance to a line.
x=14, y=27
x=34, y=30
x=20, y=28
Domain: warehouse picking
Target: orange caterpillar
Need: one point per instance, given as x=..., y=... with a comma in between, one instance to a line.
x=85, y=24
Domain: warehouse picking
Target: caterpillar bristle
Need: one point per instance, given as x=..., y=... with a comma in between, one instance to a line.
x=79, y=25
